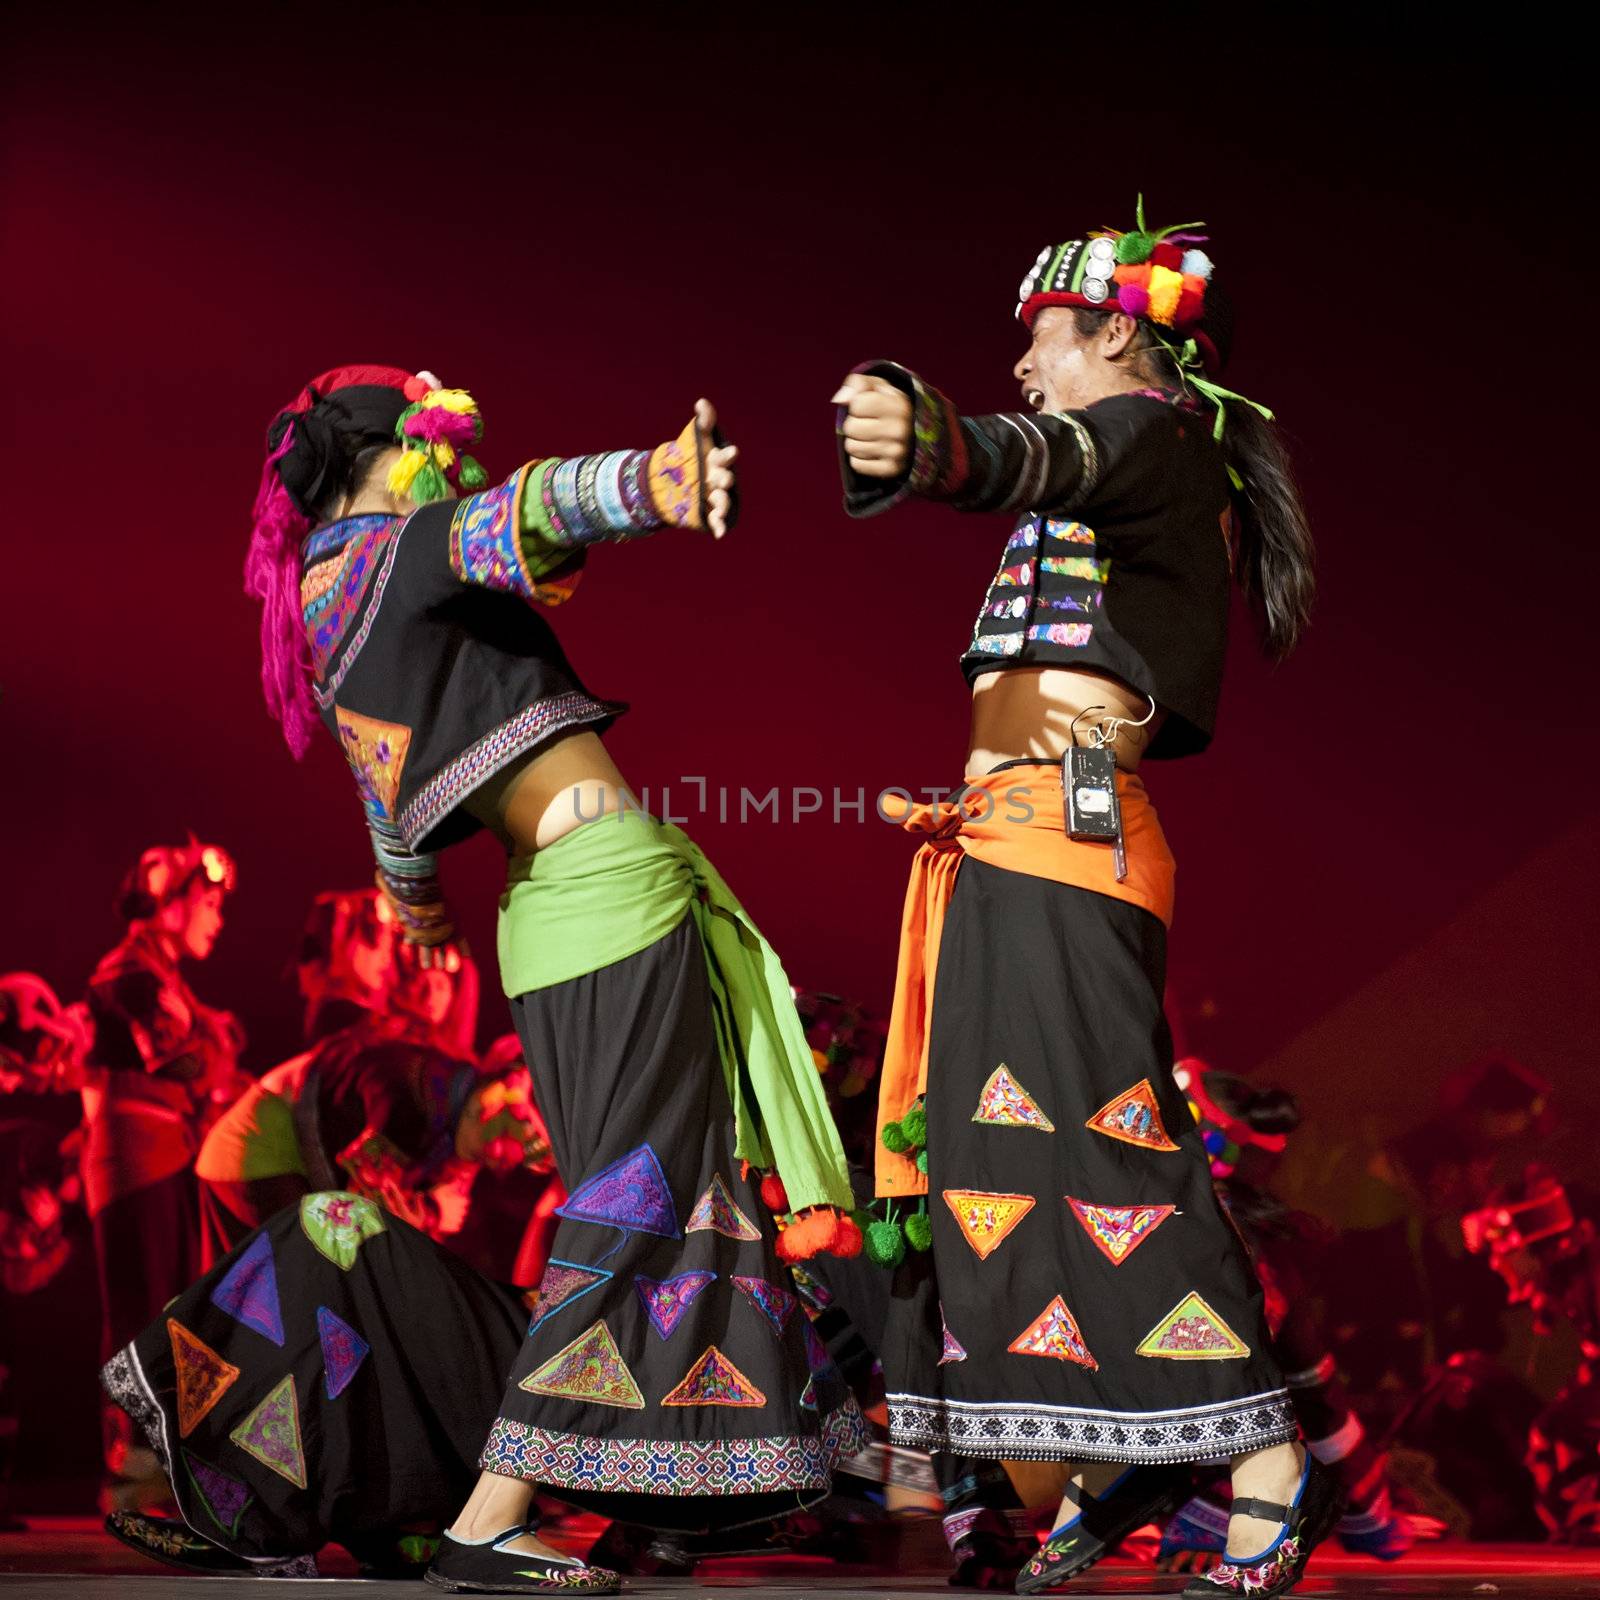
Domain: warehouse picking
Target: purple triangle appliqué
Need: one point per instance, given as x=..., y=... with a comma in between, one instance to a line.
x=249, y=1292
x=224, y=1497
x=774, y=1303
x=817, y=1357
x=563, y=1283
x=665, y=1302
x=953, y=1349
x=343, y=1351
x=631, y=1194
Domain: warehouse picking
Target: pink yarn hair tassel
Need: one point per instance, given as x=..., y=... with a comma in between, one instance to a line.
x=272, y=576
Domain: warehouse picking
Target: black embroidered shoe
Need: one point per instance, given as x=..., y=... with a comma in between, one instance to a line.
x=1306, y=1521
x=990, y=1551
x=175, y=1544
x=1140, y=1495
x=489, y=1566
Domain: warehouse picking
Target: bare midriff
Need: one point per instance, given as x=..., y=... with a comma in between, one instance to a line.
x=532, y=803
x=1027, y=713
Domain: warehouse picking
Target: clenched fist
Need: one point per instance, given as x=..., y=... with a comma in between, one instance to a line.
x=875, y=426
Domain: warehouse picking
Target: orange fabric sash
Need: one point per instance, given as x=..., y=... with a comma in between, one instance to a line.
x=1016, y=820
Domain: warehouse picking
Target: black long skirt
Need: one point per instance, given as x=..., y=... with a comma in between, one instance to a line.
x=330, y=1380
x=670, y=1376
x=1085, y=1297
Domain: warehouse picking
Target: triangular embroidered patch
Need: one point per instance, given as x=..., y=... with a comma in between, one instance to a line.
x=1192, y=1331
x=1004, y=1103
x=590, y=1369
x=631, y=1194
x=223, y=1497
x=1134, y=1118
x=343, y=1351
x=776, y=1304
x=953, y=1349
x=338, y=1224
x=249, y=1291
x=563, y=1283
x=1054, y=1333
x=986, y=1219
x=203, y=1376
x=715, y=1212
x=817, y=1357
x=1119, y=1230
x=271, y=1433
x=714, y=1381
x=666, y=1301
x=808, y=1395
x=376, y=752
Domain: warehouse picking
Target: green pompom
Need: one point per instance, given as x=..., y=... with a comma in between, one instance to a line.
x=914, y=1125
x=885, y=1244
x=1132, y=248
x=471, y=475
x=919, y=1230
x=428, y=485
x=894, y=1138
x=922, y=1162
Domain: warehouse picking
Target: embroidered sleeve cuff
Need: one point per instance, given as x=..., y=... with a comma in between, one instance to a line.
x=500, y=538
x=937, y=469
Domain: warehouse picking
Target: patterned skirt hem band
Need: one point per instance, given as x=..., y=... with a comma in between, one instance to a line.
x=1015, y=1432
x=674, y=1466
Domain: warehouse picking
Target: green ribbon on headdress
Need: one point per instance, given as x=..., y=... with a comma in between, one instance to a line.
x=1192, y=370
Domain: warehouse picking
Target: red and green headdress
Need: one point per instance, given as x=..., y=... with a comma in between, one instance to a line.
x=1160, y=275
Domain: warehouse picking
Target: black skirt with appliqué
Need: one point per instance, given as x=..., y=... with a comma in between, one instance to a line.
x=671, y=1376
x=1085, y=1296
x=330, y=1380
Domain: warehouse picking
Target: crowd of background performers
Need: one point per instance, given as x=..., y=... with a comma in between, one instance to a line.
x=134, y=1125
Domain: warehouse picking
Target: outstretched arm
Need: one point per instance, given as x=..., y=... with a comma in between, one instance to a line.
x=531, y=534
x=899, y=436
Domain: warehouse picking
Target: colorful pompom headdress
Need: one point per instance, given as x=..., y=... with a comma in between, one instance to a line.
x=433, y=434
x=1159, y=275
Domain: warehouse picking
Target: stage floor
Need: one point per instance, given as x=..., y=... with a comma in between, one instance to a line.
x=71, y=1559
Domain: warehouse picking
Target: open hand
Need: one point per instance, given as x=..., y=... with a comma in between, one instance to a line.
x=719, y=460
x=875, y=425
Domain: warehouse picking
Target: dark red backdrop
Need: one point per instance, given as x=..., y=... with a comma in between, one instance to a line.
x=591, y=222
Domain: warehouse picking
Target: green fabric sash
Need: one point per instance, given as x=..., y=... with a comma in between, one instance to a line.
x=610, y=889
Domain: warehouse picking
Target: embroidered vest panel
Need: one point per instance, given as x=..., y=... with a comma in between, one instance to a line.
x=429, y=683
x=1138, y=588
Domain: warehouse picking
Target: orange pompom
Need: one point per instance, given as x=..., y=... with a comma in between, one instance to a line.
x=1138, y=276
x=847, y=1240
x=808, y=1235
x=773, y=1194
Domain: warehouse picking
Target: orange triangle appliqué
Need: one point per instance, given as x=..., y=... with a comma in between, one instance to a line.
x=714, y=1381
x=203, y=1376
x=985, y=1219
x=1054, y=1333
x=377, y=752
x=1118, y=1230
x=1133, y=1117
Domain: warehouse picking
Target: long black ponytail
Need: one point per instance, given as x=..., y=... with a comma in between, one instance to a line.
x=1277, y=563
